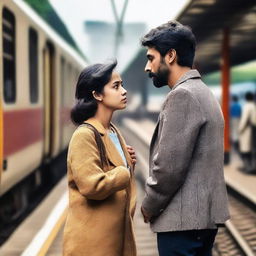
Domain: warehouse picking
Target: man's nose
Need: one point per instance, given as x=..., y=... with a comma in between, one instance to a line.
x=147, y=67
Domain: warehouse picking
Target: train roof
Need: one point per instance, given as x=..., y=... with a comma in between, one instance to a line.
x=24, y=7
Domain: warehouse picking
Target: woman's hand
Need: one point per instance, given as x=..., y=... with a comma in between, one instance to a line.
x=132, y=154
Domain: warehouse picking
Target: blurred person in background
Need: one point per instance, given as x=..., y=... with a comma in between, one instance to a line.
x=247, y=122
x=100, y=170
x=235, y=114
x=186, y=197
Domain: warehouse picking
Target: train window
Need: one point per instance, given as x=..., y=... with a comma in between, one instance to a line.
x=68, y=85
x=33, y=65
x=63, y=79
x=9, y=72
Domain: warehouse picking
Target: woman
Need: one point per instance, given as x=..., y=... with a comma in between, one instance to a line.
x=100, y=170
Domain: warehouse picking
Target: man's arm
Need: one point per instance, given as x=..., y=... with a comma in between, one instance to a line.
x=182, y=120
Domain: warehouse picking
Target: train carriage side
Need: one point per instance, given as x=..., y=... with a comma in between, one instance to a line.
x=34, y=118
x=21, y=103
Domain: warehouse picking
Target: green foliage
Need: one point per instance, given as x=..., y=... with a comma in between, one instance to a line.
x=45, y=10
x=241, y=73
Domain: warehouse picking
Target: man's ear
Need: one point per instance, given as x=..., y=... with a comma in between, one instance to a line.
x=171, y=56
x=96, y=96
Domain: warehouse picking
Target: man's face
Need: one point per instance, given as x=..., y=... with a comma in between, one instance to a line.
x=157, y=68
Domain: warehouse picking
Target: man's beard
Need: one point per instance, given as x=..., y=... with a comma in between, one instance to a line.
x=160, y=78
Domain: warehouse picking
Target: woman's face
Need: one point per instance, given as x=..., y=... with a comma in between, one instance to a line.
x=114, y=94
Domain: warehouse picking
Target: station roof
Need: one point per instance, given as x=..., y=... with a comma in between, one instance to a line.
x=208, y=19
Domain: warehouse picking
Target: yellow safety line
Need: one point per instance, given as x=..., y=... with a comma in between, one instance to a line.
x=53, y=234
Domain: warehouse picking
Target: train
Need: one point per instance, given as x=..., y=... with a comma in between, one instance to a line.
x=37, y=87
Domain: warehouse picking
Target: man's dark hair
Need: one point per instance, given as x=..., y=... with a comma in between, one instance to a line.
x=249, y=96
x=235, y=98
x=172, y=35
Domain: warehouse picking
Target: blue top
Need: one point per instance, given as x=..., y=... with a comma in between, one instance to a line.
x=113, y=136
x=235, y=110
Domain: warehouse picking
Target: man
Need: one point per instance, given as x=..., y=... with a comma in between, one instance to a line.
x=246, y=133
x=186, y=198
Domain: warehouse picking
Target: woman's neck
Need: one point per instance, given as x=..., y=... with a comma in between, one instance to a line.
x=104, y=116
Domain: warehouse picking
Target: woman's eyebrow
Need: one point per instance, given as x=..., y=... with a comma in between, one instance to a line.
x=117, y=81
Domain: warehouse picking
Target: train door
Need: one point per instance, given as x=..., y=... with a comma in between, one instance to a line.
x=1, y=101
x=48, y=71
x=1, y=118
x=8, y=71
x=1, y=124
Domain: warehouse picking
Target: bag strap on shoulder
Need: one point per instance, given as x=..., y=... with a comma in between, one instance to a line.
x=100, y=145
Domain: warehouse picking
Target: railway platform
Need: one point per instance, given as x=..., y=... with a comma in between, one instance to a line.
x=41, y=233
x=35, y=234
x=240, y=182
x=238, y=237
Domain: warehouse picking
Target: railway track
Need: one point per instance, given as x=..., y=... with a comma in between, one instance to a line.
x=238, y=237
x=242, y=226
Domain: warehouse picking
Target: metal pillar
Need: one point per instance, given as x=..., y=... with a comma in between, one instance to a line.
x=225, y=81
x=119, y=25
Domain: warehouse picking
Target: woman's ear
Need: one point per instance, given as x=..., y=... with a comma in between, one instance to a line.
x=96, y=96
x=171, y=56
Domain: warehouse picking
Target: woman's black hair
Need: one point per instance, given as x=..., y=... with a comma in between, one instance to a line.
x=92, y=78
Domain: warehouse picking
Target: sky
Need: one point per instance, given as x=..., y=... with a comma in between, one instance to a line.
x=151, y=12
